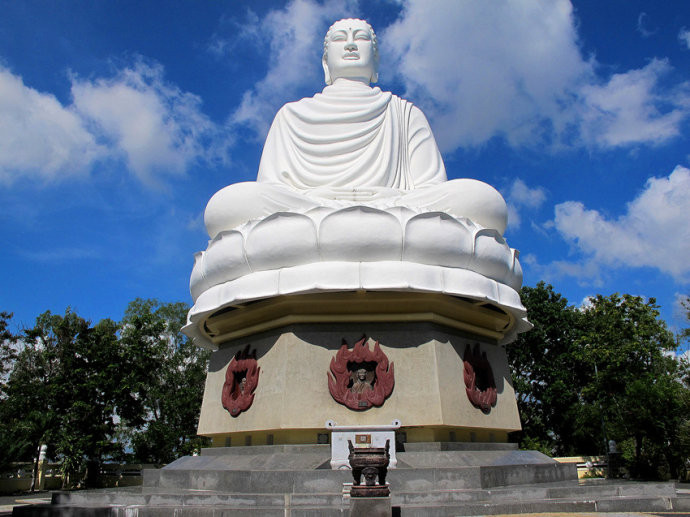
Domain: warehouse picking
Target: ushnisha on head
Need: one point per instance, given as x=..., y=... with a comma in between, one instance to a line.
x=350, y=51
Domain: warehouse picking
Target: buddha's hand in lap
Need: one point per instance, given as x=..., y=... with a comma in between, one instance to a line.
x=352, y=193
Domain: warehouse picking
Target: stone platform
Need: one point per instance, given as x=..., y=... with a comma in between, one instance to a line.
x=441, y=479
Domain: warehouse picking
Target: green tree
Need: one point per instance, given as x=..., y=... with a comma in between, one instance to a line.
x=28, y=408
x=8, y=352
x=683, y=433
x=63, y=392
x=544, y=378
x=88, y=386
x=9, y=444
x=165, y=379
x=636, y=389
x=684, y=335
x=98, y=392
x=606, y=372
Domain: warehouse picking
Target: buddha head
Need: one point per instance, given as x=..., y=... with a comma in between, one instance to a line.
x=350, y=50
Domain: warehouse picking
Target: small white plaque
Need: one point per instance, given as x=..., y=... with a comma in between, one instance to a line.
x=360, y=436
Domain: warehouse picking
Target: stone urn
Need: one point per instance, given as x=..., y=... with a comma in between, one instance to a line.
x=372, y=463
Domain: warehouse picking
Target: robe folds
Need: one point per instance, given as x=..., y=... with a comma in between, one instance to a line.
x=351, y=137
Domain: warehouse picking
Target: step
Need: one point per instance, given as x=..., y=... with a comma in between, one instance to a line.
x=613, y=505
x=681, y=503
x=530, y=493
x=324, y=481
x=249, y=481
x=190, y=498
x=167, y=511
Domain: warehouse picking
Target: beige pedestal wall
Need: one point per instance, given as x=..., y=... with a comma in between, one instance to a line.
x=292, y=401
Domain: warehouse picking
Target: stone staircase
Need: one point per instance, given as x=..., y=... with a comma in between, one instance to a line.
x=438, y=479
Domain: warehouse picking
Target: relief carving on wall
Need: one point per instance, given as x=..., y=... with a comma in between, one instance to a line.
x=360, y=378
x=241, y=379
x=479, y=379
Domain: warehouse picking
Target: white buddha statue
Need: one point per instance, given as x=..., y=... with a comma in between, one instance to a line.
x=352, y=145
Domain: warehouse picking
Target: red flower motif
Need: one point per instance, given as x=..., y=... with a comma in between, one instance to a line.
x=479, y=379
x=360, y=378
x=241, y=379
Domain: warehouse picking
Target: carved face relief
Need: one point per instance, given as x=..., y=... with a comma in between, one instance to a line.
x=360, y=378
x=370, y=474
x=350, y=51
x=479, y=379
x=241, y=379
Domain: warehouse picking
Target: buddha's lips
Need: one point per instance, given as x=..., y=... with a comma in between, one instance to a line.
x=351, y=55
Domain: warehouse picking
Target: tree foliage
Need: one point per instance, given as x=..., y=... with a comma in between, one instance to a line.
x=8, y=356
x=636, y=386
x=167, y=401
x=62, y=391
x=547, y=402
x=107, y=391
x=684, y=334
x=605, y=372
x=8, y=353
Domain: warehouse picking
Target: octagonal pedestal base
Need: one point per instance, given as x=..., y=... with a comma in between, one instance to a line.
x=292, y=401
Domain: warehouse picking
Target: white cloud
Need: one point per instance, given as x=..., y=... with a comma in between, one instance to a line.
x=642, y=26
x=624, y=110
x=296, y=37
x=135, y=116
x=514, y=217
x=513, y=69
x=654, y=231
x=239, y=32
x=587, y=273
x=681, y=306
x=39, y=137
x=196, y=222
x=156, y=127
x=488, y=69
x=586, y=303
x=684, y=37
x=520, y=196
x=61, y=254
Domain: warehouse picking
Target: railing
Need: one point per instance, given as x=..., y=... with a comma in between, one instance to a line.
x=118, y=475
x=18, y=477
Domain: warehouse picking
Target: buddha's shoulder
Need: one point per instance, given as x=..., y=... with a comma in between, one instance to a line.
x=335, y=98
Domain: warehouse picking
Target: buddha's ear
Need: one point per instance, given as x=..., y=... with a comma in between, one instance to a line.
x=375, y=73
x=326, y=72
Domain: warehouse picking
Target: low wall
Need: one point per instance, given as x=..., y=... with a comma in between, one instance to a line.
x=587, y=466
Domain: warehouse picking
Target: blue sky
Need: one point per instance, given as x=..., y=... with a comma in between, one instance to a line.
x=119, y=120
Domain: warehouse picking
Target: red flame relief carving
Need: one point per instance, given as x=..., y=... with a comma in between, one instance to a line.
x=479, y=379
x=360, y=378
x=241, y=379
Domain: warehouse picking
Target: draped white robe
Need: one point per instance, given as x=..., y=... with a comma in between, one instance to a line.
x=352, y=144
x=351, y=136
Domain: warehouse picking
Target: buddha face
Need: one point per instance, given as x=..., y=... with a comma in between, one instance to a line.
x=350, y=52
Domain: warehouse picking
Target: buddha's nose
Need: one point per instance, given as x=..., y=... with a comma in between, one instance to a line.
x=351, y=45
